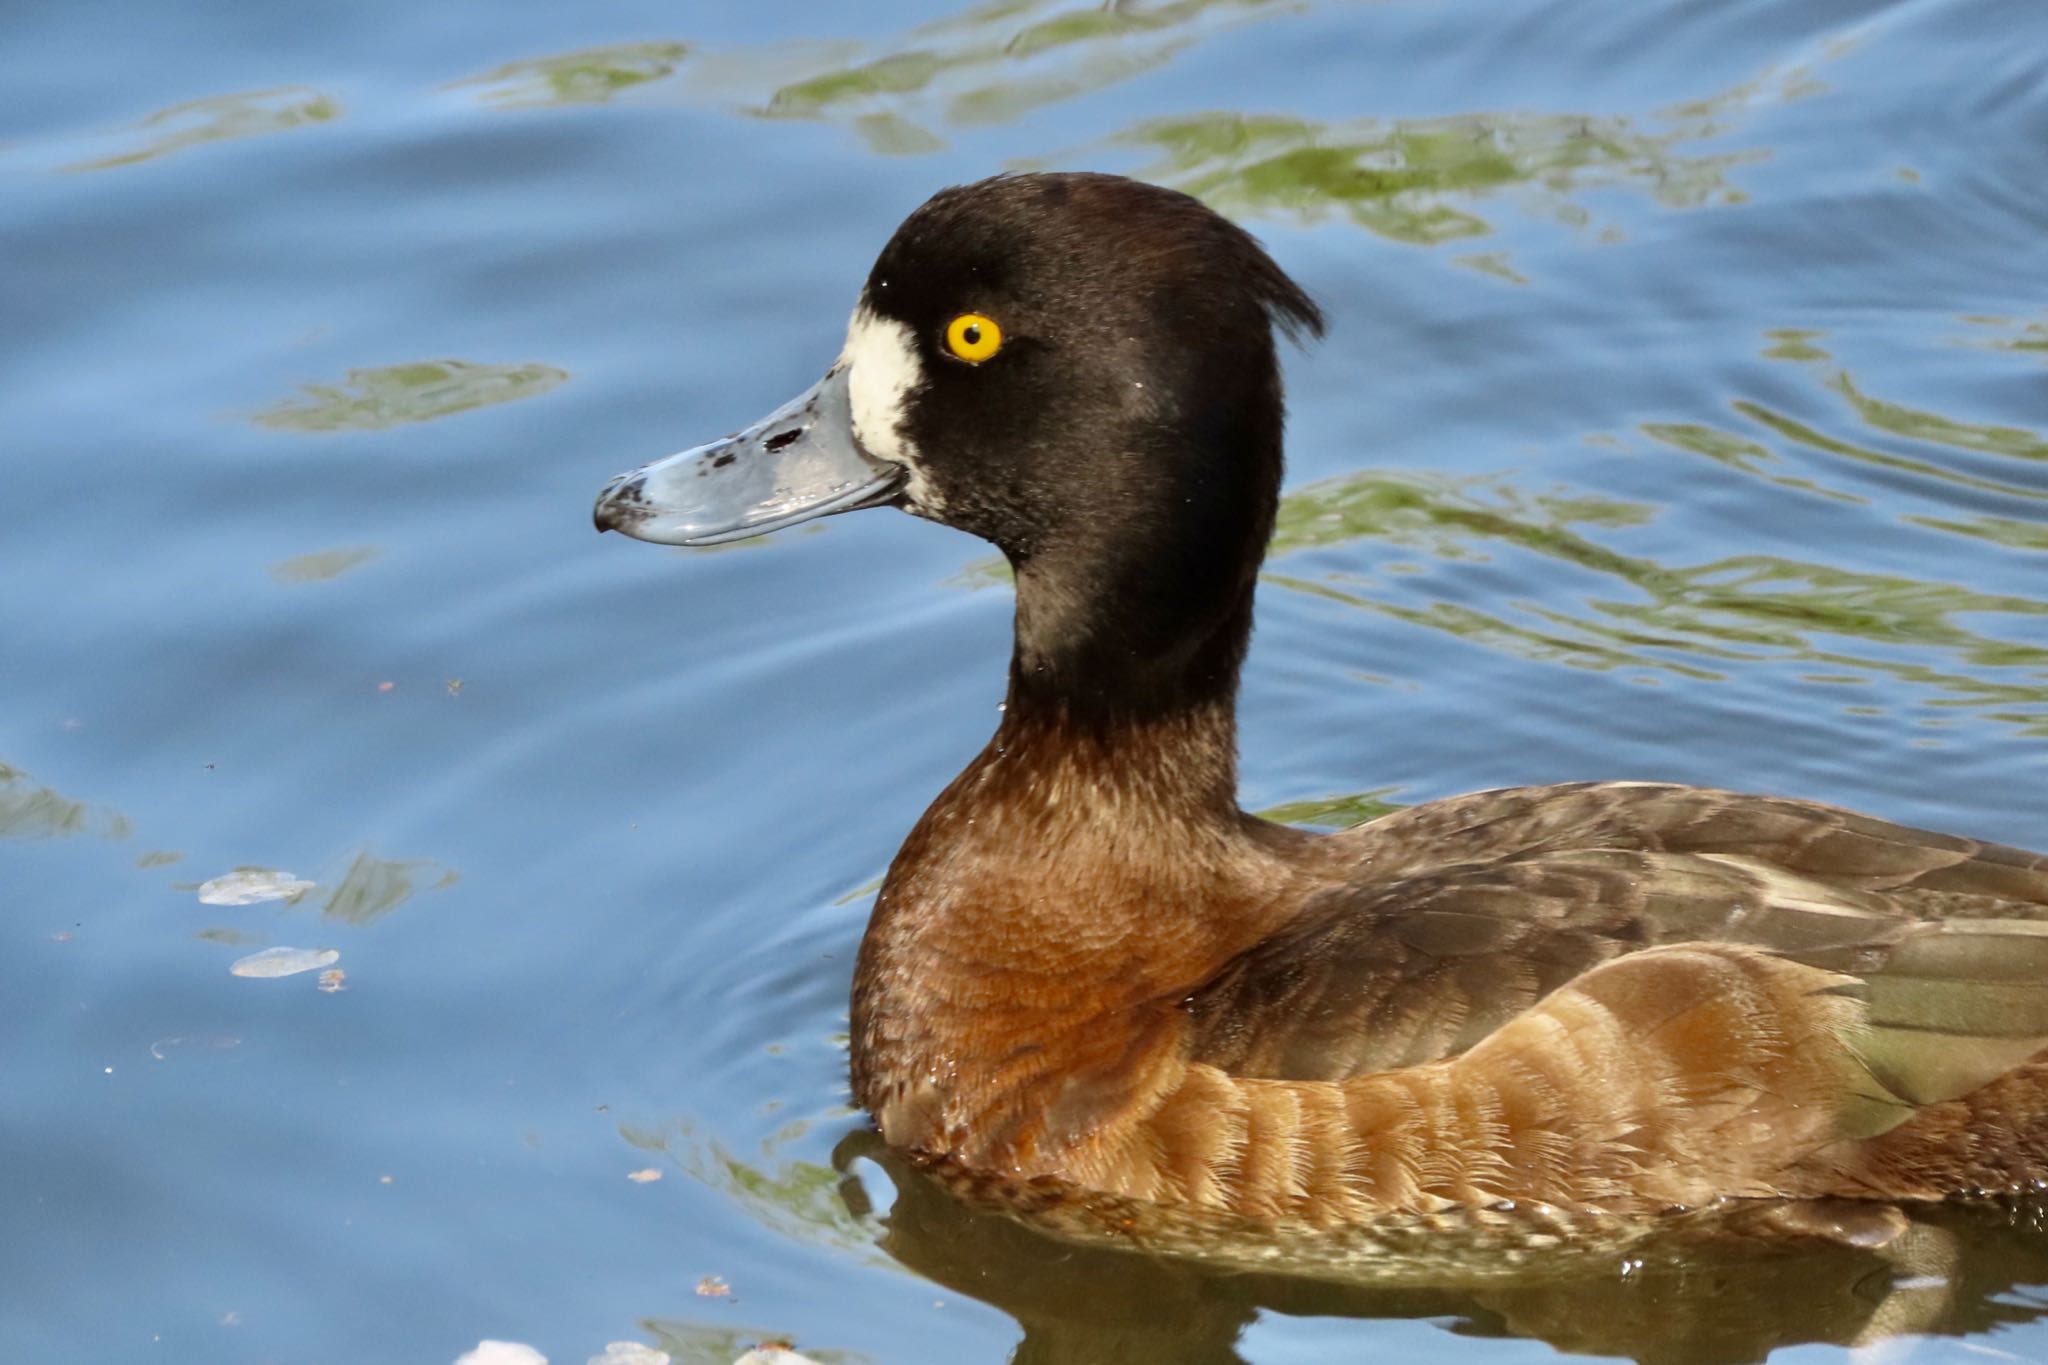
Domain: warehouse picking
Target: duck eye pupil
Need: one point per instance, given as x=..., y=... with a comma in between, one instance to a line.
x=972, y=334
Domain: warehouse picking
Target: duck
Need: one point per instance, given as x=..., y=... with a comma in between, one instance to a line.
x=1088, y=967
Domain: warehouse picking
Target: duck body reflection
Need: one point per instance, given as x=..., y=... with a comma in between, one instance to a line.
x=1089, y=972
x=1712, y=1287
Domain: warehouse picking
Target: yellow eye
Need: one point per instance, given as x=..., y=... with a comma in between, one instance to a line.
x=973, y=337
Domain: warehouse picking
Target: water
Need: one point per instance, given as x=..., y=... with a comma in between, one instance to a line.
x=1684, y=416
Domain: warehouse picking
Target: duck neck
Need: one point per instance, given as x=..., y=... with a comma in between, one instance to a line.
x=1128, y=691
x=1118, y=741
x=1135, y=625
x=1110, y=786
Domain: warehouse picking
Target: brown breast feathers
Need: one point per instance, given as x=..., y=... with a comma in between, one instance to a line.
x=1623, y=997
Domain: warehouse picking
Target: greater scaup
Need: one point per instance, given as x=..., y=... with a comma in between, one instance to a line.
x=1088, y=965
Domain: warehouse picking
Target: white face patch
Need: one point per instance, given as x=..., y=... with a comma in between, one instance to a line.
x=883, y=371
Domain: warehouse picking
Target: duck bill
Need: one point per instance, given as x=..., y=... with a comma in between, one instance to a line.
x=799, y=462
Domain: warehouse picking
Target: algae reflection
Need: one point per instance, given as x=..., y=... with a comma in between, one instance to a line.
x=1698, y=621
x=1421, y=181
x=997, y=62
x=373, y=887
x=30, y=810
x=798, y=1199
x=1748, y=451
x=216, y=118
x=321, y=566
x=1415, y=180
x=988, y=64
x=1424, y=181
x=589, y=76
x=387, y=396
x=1703, y=621
x=1942, y=439
x=1335, y=812
x=2014, y=334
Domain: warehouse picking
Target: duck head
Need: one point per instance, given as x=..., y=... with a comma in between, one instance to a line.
x=1077, y=368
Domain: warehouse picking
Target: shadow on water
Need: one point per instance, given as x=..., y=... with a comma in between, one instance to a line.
x=1711, y=1289
x=1078, y=1306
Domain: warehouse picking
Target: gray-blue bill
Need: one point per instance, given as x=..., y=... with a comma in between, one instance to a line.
x=799, y=462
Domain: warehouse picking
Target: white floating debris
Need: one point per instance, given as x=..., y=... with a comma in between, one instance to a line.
x=490, y=1352
x=629, y=1353
x=161, y=1048
x=645, y=1176
x=773, y=1355
x=284, y=961
x=252, y=886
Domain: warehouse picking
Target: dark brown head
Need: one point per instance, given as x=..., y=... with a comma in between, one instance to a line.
x=1077, y=368
x=1125, y=366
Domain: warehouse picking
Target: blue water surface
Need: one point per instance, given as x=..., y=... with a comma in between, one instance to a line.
x=1684, y=416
